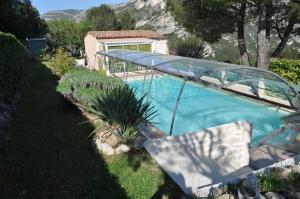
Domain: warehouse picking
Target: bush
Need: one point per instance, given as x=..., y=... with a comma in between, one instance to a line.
x=12, y=57
x=189, y=47
x=120, y=108
x=61, y=62
x=82, y=85
x=287, y=68
x=270, y=182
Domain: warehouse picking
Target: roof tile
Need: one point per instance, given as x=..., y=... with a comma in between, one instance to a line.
x=126, y=34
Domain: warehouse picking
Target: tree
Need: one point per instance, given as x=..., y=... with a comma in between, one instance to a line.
x=20, y=18
x=67, y=34
x=210, y=19
x=102, y=18
x=284, y=22
x=127, y=21
x=188, y=47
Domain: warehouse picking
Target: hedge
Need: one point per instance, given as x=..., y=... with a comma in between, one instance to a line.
x=12, y=57
x=287, y=68
x=82, y=84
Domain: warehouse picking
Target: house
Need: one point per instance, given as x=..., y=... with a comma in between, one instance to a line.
x=137, y=40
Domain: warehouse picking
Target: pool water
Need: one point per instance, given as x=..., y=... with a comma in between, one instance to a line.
x=202, y=107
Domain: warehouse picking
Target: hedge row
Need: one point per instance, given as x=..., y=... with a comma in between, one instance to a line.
x=287, y=68
x=82, y=84
x=12, y=56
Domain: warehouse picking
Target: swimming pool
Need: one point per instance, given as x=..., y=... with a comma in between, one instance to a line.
x=202, y=107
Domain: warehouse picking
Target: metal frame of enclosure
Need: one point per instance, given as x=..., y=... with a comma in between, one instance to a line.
x=253, y=82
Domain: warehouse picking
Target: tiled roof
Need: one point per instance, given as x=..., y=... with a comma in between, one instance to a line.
x=126, y=34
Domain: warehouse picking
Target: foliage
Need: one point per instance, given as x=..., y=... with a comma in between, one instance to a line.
x=270, y=182
x=12, y=57
x=188, y=47
x=293, y=178
x=287, y=68
x=61, y=62
x=120, y=108
x=214, y=15
x=83, y=85
x=220, y=17
x=127, y=21
x=68, y=35
x=102, y=18
x=20, y=18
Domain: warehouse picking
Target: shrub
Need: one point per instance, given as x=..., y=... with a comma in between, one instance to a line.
x=82, y=84
x=270, y=182
x=61, y=62
x=294, y=178
x=287, y=68
x=120, y=108
x=12, y=57
x=188, y=47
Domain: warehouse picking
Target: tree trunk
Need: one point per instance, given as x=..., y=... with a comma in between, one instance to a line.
x=241, y=35
x=263, y=34
x=286, y=36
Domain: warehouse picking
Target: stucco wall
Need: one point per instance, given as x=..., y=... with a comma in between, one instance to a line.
x=91, y=47
x=160, y=46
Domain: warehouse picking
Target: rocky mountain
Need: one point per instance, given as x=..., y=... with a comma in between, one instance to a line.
x=146, y=12
x=76, y=15
x=152, y=13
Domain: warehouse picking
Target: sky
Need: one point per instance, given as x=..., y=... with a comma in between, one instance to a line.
x=46, y=5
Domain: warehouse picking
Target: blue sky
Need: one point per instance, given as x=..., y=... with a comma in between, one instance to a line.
x=46, y=5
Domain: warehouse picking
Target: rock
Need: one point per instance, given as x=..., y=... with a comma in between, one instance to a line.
x=104, y=148
x=224, y=196
x=273, y=195
x=110, y=138
x=122, y=149
x=217, y=191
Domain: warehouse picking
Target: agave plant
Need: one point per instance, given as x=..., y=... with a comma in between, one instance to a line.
x=120, y=108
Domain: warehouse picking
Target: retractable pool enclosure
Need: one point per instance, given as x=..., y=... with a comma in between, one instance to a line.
x=253, y=82
x=221, y=75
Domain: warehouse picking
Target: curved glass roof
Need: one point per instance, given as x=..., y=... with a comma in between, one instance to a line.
x=251, y=81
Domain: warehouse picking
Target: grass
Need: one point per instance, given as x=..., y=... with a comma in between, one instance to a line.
x=49, y=155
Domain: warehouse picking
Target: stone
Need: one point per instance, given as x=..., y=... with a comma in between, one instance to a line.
x=273, y=195
x=104, y=148
x=224, y=196
x=217, y=191
x=110, y=138
x=122, y=149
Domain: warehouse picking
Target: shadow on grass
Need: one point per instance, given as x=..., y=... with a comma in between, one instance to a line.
x=49, y=154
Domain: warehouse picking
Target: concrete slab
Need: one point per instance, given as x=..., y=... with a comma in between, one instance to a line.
x=211, y=156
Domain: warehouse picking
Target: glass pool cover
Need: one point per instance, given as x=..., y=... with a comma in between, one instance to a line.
x=250, y=81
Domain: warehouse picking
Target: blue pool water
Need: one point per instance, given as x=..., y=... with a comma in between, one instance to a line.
x=202, y=107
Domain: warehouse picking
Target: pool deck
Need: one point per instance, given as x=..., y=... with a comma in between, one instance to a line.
x=182, y=157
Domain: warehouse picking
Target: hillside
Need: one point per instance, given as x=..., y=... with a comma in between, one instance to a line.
x=72, y=14
x=152, y=13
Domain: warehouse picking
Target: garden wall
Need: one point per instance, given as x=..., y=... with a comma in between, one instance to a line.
x=12, y=57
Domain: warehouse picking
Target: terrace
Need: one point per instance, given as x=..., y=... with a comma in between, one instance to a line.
x=252, y=109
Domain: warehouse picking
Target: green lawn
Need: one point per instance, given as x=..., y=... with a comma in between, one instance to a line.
x=49, y=154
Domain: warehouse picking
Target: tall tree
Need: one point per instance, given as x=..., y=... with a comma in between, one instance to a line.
x=67, y=34
x=127, y=21
x=284, y=21
x=210, y=19
x=20, y=18
x=103, y=18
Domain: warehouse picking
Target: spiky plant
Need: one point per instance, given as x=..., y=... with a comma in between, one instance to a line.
x=120, y=108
